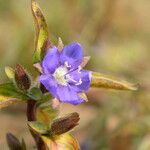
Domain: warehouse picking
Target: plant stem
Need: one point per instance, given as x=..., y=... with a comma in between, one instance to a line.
x=31, y=110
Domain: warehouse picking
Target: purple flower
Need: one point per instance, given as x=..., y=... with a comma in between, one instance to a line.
x=62, y=74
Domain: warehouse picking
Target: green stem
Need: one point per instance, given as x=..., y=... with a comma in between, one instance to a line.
x=31, y=110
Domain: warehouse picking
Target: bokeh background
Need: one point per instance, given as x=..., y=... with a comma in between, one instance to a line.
x=116, y=34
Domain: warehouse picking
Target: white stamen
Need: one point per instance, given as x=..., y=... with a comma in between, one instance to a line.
x=79, y=69
x=59, y=75
x=79, y=83
x=68, y=77
x=63, y=78
x=67, y=64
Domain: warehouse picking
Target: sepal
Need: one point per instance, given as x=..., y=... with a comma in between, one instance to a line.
x=60, y=45
x=86, y=59
x=83, y=96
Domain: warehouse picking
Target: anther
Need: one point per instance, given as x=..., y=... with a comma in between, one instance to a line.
x=67, y=64
x=79, y=69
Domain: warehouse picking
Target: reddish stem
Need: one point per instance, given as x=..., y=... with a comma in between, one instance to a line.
x=31, y=111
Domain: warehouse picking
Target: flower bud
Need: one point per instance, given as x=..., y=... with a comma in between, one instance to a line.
x=13, y=142
x=22, y=79
x=64, y=124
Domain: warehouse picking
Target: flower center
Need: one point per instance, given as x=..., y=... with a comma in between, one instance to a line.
x=59, y=75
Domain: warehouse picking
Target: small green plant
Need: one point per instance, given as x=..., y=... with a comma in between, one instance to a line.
x=61, y=79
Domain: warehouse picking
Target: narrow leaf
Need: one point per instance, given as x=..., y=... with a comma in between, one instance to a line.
x=9, y=95
x=42, y=42
x=103, y=81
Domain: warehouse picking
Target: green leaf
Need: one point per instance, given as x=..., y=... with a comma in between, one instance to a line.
x=103, y=81
x=9, y=89
x=62, y=142
x=35, y=93
x=38, y=127
x=42, y=42
x=46, y=114
x=9, y=95
x=46, y=97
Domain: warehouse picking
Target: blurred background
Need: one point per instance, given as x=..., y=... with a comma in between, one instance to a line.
x=116, y=34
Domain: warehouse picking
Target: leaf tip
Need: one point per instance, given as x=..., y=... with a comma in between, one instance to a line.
x=134, y=87
x=9, y=72
x=12, y=141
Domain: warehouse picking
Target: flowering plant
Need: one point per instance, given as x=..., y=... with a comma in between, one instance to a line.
x=64, y=77
x=61, y=79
